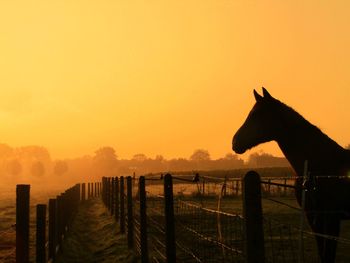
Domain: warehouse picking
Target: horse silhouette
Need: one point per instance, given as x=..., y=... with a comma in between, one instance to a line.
x=327, y=199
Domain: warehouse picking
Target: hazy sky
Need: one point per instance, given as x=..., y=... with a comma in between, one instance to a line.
x=166, y=76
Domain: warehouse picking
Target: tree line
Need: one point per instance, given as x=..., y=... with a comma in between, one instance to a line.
x=35, y=163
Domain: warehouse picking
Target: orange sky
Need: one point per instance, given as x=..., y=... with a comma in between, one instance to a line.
x=166, y=76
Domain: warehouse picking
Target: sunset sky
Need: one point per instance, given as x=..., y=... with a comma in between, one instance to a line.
x=167, y=77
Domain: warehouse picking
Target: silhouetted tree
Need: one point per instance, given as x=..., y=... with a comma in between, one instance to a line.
x=139, y=157
x=231, y=156
x=37, y=169
x=34, y=153
x=105, y=161
x=60, y=168
x=200, y=155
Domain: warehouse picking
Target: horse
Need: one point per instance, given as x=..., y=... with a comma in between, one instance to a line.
x=327, y=200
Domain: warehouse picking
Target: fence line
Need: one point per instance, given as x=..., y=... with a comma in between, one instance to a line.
x=52, y=221
x=205, y=234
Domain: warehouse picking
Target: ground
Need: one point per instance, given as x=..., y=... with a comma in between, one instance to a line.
x=94, y=237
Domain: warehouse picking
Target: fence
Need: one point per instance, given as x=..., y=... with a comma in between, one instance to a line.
x=162, y=227
x=166, y=222
x=50, y=233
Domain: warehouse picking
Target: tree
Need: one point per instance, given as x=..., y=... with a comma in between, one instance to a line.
x=34, y=153
x=14, y=167
x=140, y=157
x=105, y=161
x=200, y=155
x=60, y=168
x=37, y=169
x=231, y=157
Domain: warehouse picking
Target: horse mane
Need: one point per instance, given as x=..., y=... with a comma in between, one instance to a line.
x=297, y=124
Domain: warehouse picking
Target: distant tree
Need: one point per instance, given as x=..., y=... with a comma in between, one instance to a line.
x=60, y=168
x=14, y=167
x=180, y=164
x=140, y=157
x=159, y=158
x=231, y=156
x=200, y=155
x=34, y=152
x=266, y=160
x=105, y=161
x=37, y=169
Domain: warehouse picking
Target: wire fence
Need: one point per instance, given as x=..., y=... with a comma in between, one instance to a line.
x=40, y=229
x=212, y=224
x=7, y=244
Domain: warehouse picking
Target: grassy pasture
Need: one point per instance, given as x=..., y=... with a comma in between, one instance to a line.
x=8, y=218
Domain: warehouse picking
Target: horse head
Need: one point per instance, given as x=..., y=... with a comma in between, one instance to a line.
x=259, y=127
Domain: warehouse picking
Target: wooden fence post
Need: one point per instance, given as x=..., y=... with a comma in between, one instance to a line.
x=129, y=183
x=122, y=212
x=103, y=190
x=52, y=228
x=22, y=223
x=169, y=220
x=108, y=192
x=112, y=195
x=83, y=192
x=59, y=219
x=203, y=186
x=40, y=233
x=143, y=220
x=253, y=219
x=116, y=208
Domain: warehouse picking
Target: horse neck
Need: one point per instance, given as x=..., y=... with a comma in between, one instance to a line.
x=306, y=142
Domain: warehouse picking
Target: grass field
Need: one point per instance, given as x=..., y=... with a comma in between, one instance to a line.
x=8, y=218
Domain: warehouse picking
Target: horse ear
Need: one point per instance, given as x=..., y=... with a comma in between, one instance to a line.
x=257, y=96
x=266, y=93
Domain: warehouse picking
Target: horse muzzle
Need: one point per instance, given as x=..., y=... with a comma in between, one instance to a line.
x=236, y=147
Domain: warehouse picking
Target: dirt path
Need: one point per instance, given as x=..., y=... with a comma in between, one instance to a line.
x=95, y=237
